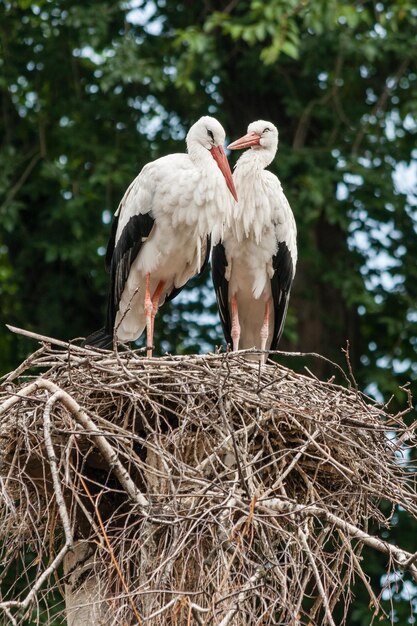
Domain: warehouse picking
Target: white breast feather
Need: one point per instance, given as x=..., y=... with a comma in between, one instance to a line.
x=261, y=219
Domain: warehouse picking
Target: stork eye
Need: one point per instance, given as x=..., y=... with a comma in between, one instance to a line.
x=210, y=134
x=266, y=129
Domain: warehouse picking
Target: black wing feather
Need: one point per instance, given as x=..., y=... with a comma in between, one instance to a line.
x=221, y=287
x=281, y=286
x=99, y=339
x=121, y=257
x=206, y=259
x=112, y=240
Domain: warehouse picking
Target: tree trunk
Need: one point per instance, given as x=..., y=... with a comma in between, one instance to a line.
x=325, y=321
x=84, y=592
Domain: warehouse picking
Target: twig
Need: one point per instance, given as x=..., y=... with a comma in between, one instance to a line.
x=105, y=448
x=241, y=596
x=111, y=551
x=401, y=557
x=9, y=615
x=66, y=525
x=23, y=178
x=237, y=457
x=22, y=367
x=317, y=578
x=52, y=341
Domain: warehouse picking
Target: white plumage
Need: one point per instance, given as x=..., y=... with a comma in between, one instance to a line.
x=254, y=265
x=161, y=231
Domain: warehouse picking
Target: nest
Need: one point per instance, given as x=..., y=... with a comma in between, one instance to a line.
x=192, y=490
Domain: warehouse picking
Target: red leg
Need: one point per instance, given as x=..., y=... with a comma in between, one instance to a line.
x=155, y=301
x=265, y=329
x=235, y=324
x=148, y=313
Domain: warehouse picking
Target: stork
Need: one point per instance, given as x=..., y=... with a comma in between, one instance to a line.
x=253, y=266
x=160, y=235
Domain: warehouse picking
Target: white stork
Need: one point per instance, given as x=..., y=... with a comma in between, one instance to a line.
x=253, y=267
x=160, y=235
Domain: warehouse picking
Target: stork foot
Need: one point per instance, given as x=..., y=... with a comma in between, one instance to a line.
x=155, y=301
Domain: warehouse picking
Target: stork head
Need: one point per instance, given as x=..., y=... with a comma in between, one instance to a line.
x=208, y=134
x=260, y=135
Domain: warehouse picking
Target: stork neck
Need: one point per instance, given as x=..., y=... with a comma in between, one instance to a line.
x=253, y=210
x=254, y=160
x=200, y=156
x=210, y=193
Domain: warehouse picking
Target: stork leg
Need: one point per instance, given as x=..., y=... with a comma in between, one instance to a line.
x=151, y=309
x=148, y=312
x=155, y=302
x=265, y=330
x=235, y=324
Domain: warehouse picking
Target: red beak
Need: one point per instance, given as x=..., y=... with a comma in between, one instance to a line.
x=251, y=139
x=220, y=157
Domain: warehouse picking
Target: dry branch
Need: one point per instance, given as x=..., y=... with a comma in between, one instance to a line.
x=196, y=490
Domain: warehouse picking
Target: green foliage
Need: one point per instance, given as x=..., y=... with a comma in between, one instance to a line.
x=15, y=583
x=90, y=91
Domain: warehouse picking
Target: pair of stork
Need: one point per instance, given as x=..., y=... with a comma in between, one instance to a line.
x=170, y=215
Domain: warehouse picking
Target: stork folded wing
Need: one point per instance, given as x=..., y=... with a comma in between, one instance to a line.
x=281, y=286
x=128, y=246
x=221, y=286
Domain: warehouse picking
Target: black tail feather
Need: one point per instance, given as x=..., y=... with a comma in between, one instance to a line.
x=99, y=339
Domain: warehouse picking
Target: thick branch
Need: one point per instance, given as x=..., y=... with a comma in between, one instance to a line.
x=401, y=557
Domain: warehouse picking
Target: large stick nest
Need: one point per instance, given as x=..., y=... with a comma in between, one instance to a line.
x=205, y=489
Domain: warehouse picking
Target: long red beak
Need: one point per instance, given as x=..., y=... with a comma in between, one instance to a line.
x=251, y=139
x=220, y=157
